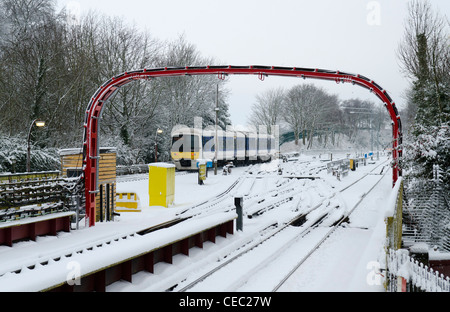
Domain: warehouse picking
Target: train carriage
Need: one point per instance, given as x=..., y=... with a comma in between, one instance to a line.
x=191, y=144
x=251, y=147
x=239, y=147
x=186, y=148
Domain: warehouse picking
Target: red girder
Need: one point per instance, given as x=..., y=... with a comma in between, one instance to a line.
x=93, y=112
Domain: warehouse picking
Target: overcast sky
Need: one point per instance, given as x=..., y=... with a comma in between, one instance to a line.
x=355, y=36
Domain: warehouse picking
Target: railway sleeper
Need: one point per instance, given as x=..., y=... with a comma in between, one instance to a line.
x=269, y=207
x=299, y=221
x=341, y=220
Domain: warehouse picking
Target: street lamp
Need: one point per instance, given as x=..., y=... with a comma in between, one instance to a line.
x=38, y=123
x=156, y=144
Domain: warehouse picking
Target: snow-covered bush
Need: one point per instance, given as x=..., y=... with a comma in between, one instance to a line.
x=430, y=147
x=13, y=156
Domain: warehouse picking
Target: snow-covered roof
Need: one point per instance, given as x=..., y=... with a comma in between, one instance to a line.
x=162, y=165
x=75, y=151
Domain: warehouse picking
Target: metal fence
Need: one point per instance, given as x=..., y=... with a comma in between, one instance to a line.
x=406, y=274
x=33, y=194
x=339, y=167
x=132, y=169
x=426, y=213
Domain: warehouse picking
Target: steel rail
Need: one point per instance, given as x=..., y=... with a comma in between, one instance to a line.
x=327, y=235
x=277, y=228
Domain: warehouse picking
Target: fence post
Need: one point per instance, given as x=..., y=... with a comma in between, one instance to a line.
x=102, y=201
x=238, y=204
x=401, y=284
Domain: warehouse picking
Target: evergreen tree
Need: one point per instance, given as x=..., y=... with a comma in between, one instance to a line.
x=425, y=56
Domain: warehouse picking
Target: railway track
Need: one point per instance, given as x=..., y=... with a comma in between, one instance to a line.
x=246, y=182
x=254, y=194
x=268, y=244
x=332, y=229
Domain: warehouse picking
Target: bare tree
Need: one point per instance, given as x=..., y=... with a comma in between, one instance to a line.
x=31, y=54
x=267, y=110
x=301, y=110
x=124, y=48
x=319, y=117
x=190, y=96
x=293, y=113
x=61, y=63
x=24, y=16
x=424, y=54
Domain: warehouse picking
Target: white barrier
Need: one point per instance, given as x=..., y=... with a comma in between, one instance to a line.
x=416, y=275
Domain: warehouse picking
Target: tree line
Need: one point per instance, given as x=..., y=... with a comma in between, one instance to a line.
x=52, y=63
x=424, y=55
x=311, y=113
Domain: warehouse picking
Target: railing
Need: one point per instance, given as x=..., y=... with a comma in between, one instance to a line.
x=403, y=272
x=393, y=220
x=28, y=176
x=393, y=217
x=32, y=194
x=339, y=167
x=133, y=169
x=408, y=275
x=426, y=213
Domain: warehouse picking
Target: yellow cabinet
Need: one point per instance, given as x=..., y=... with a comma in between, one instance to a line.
x=161, y=184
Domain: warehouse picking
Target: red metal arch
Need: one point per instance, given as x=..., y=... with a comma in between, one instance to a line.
x=94, y=109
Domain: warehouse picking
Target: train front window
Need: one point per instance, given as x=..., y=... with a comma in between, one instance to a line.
x=185, y=143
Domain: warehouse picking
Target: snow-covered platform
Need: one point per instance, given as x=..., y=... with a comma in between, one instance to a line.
x=114, y=248
x=119, y=259
x=30, y=228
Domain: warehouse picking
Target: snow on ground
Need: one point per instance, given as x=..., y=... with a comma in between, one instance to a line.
x=349, y=258
x=345, y=262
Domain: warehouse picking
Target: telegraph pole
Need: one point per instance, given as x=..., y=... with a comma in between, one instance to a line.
x=216, y=139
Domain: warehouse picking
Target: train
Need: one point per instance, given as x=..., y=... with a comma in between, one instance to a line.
x=240, y=147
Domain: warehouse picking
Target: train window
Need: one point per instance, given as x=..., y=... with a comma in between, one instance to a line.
x=240, y=144
x=221, y=143
x=208, y=143
x=229, y=143
x=250, y=143
x=262, y=144
x=185, y=143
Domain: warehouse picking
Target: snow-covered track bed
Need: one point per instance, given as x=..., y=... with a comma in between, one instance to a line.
x=224, y=200
x=311, y=225
x=325, y=232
